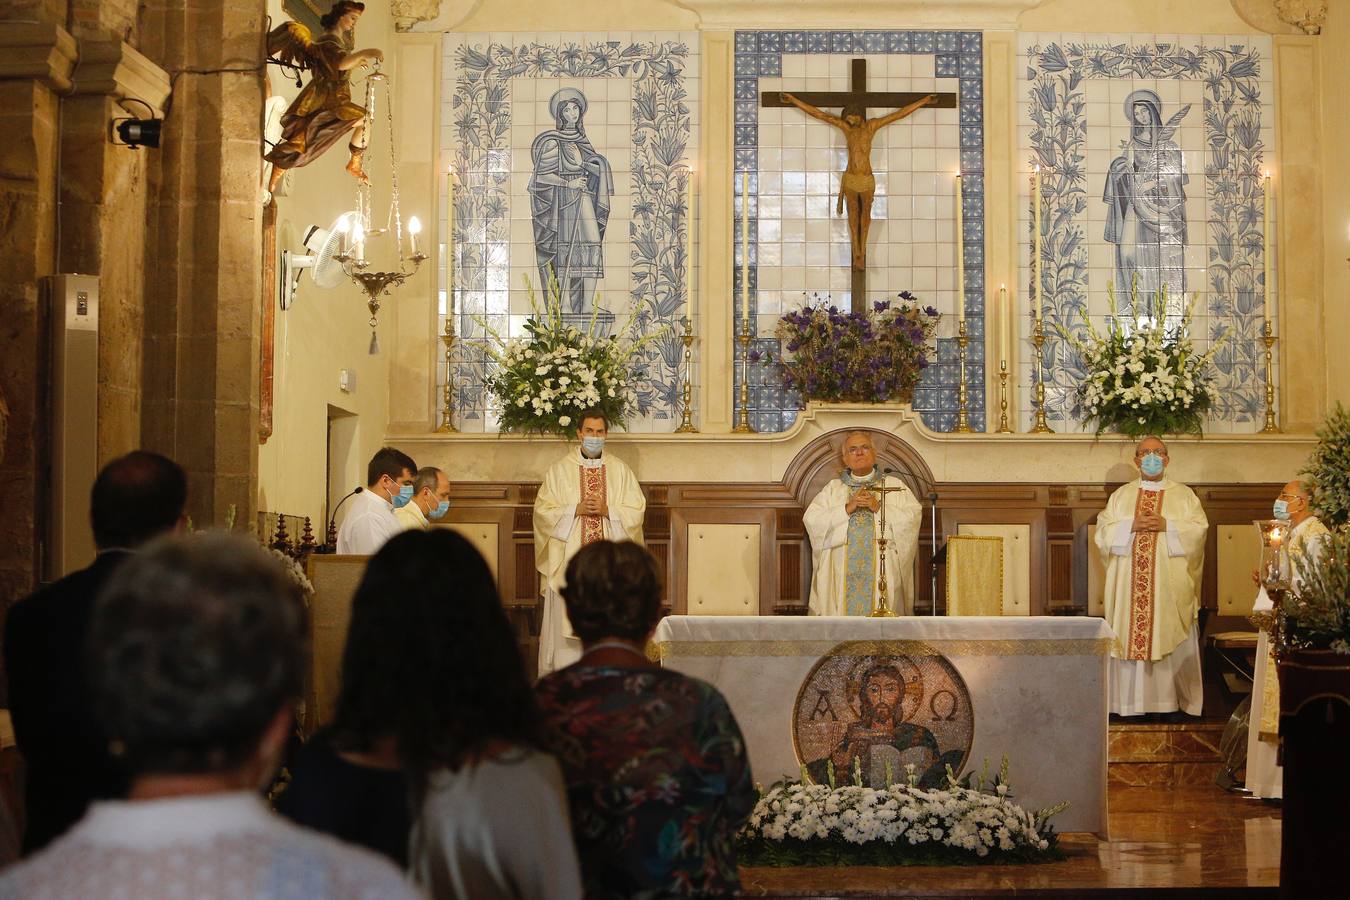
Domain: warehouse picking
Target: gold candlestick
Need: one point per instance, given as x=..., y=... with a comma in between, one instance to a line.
x=448, y=411
x=743, y=425
x=1038, y=338
x=1003, y=398
x=687, y=391
x=882, y=609
x=962, y=415
x=1268, y=338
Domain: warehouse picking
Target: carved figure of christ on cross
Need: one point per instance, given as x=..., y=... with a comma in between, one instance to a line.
x=858, y=184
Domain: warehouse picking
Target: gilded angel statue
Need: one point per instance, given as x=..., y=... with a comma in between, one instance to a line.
x=323, y=112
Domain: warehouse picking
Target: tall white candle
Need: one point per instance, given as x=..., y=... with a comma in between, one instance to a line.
x=745, y=248
x=1036, y=242
x=1268, y=228
x=450, y=241
x=960, y=256
x=1005, y=321
x=689, y=249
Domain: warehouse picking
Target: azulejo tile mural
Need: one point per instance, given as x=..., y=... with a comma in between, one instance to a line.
x=571, y=153
x=1152, y=151
x=798, y=248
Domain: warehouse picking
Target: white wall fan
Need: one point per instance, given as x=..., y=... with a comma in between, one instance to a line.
x=324, y=245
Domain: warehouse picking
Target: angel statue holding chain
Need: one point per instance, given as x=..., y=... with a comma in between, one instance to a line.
x=323, y=112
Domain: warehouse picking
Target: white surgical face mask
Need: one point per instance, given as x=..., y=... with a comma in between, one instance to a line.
x=1152, y=465
x=593, y=446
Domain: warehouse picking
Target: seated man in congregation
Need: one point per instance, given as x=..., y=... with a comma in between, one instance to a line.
x=370, y=521
x=196, y=658
x=587, y=496
x=843, y=522
x=1151, y=537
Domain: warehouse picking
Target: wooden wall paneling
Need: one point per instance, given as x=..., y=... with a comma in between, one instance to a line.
x=950, y=520
x=681, y=519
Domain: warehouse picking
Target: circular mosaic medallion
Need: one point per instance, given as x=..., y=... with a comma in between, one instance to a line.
x=874, y=706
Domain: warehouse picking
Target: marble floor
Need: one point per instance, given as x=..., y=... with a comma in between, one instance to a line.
x=1166, y=840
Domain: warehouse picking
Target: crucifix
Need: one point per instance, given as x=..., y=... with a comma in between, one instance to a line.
x=857, y=184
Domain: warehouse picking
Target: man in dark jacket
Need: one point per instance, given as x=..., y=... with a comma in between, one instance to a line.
x=135, y=498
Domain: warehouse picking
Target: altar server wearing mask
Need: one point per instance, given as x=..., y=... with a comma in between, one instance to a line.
x=587, y=496
x=844, y=522
x=370, y=520
x=430, y=500
x=1151, y=537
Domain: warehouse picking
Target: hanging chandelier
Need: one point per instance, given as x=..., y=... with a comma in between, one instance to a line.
x=357, y=228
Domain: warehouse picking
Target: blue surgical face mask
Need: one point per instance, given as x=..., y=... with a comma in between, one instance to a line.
x=440, y=510
x=1152, y=465
x=1282, y=510
x=405, y=494
x=593, y=446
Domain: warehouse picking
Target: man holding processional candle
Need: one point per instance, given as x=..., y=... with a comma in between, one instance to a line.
x=844, y=523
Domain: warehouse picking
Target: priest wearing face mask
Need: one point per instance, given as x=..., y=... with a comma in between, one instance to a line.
x=1303, y=536
x=370, y=518
x=430, y=500
x=1151, y=537
x=587, y=496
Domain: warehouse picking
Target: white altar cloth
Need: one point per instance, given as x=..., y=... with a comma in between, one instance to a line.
x=1037, y=692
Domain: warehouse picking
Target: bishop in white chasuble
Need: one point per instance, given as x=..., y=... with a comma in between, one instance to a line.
x=586, y=496
x=1152, y=540
x=843, y=522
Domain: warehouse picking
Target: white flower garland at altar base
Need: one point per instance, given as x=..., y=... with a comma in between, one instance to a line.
x=798, y=823
x=545, y=379
x=1144, y=377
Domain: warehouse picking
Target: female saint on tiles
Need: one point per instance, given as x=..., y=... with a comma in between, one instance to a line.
x=1146, y=203
x=570, y=195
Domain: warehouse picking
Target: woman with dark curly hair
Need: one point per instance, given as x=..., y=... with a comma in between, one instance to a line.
x=434, y=692
x=654, y=761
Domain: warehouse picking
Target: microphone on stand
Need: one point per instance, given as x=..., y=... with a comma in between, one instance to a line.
x=330, y=539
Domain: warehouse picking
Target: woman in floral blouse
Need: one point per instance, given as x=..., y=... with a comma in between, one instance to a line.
x=654, y=762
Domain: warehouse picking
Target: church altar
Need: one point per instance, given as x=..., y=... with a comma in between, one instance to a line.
x=1032, y=688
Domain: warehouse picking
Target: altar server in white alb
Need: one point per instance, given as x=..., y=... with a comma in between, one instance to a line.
x=1303, y=536
x=1152, y=540
x=844, y=522
x=587, y=496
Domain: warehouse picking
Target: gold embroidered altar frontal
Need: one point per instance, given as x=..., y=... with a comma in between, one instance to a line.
x=817, y=693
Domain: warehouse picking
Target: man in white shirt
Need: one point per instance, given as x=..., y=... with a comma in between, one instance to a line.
x=199, y=724
x=430, y=500
x=586, y=496
x=370, y=519
x=1151, y=538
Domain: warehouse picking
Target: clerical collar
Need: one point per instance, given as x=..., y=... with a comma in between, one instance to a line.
x=1146, y=485
x=588, y=463
x=851, y=479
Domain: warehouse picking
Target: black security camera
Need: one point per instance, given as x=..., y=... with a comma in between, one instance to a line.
x=138, y=132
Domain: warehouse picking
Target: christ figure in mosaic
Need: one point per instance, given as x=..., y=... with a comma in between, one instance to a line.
x=570, y=194
x=858, y=186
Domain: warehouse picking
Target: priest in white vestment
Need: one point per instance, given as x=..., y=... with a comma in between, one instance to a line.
x=1152, y=540
x=586, y=496
x=844, y=523
x=1303, y=538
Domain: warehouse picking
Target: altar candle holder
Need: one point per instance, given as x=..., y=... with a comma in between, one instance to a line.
x=962, y=394
x=687, y=389
x=1038, y=339
x=1268, y=338
x=1003, y=398
x=743, y=425
x=448, y=401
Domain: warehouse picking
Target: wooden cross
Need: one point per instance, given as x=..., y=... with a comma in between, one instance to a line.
x=855, y=99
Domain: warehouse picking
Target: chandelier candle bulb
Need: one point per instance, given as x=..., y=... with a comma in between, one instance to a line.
x=414, y=226
x=960, y=256
x=343, y=228
x=745, y=248
x=359, y=243
x=1036, y=242
x=1267, y=228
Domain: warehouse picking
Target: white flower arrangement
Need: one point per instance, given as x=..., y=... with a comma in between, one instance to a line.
x=798, y=823
x=1145, y=378
x=544, y=379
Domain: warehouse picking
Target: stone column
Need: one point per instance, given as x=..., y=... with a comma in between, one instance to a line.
x=35, y=67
